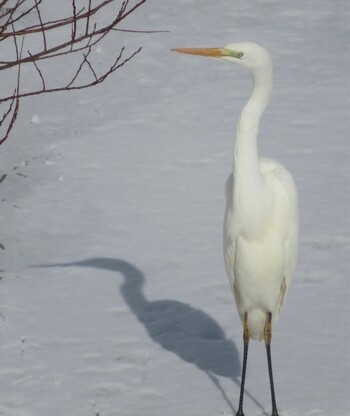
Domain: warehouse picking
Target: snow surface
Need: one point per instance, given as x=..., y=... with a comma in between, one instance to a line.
x=114, y=299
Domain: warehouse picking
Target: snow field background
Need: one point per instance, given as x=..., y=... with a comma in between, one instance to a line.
x=113, y=296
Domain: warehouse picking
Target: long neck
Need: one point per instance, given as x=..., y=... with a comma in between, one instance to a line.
x=248, y=192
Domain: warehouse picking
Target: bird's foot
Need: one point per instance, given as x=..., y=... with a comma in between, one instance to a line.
x=274, y=412
x=240, y=412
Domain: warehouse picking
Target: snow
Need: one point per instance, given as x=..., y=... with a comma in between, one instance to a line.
x=113, y=294
x=35, y=119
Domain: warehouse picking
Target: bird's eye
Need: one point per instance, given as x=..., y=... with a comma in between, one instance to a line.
x=239, y=54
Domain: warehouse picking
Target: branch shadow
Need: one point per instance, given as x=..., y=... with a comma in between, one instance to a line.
x=190, y=333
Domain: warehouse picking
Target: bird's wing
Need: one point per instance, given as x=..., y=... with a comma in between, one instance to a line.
x=292, y=223
x=229, y=255
x=291, y=248
x=229, y=237
x=290, y=258
x=288, y=198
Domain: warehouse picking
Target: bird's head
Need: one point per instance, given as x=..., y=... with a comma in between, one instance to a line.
x=246, y=54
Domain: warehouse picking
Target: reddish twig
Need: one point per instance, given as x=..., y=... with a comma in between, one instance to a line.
x=15, y=100
x=140, y=31
x=40, y=74
x=54, y=51
x=12, y=120
x=55, y=24
x=75, y=43
x=88, y=19
x=69, y=87
x=41, y=24
x=74, y=24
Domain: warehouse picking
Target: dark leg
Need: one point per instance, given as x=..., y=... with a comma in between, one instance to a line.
x=268, y=336
x=246, y=337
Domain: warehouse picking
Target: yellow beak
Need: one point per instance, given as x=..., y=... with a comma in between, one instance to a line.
x=212, y=52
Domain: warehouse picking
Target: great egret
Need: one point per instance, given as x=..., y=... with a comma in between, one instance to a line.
x=261, y=219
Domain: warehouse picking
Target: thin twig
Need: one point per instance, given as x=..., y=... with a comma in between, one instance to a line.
x=3, y=3
x=40, y=73
x=140, y=31
x=5, y=115
x=88, y=18
x=41, y=24
x=52, y=51
x=136, y=6
x=61, y=22
x=12, y=121
x=122, y=8
x=70, y=87
x=82, y=44
x=16, y=95
x=74, y=24
x=89, y=64
x=23, y=14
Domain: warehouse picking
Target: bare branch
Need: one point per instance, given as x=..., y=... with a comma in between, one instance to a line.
x=137, y=5
x=52, y=52
x=5, y=115
x=140, y=31
x=15, y=100
x=61, y=22
x=12, y=120
x=88, y=19
x=37, y=2
x=89, y=64
x=13, y=11
x=2, y=4
x=80, y=43
x=70, y=87
x=40, y=74
x=74, y=24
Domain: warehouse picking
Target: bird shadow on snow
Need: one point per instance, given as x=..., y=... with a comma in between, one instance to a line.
x=190, y=333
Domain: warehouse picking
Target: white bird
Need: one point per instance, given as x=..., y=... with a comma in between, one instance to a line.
x=261, y=220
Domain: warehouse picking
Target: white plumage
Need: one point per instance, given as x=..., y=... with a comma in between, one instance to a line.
x=261, y=219
x=260, y=257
